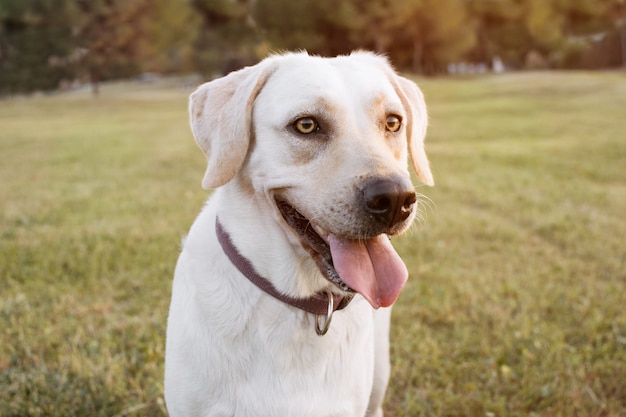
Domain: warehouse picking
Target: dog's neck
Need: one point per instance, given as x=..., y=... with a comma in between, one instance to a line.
x=320, y=304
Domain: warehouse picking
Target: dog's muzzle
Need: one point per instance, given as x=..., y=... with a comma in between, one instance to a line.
x=361, y=259
x=316, y=246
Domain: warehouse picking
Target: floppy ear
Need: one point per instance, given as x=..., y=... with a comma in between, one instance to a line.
x=413, y=100
x=220, y=113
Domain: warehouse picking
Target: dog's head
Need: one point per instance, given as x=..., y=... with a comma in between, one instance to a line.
x=326, y=143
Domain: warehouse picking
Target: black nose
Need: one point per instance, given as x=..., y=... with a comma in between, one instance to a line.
x=390, y=201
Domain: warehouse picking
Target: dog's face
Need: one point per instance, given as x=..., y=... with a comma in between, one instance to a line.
x=325, y=142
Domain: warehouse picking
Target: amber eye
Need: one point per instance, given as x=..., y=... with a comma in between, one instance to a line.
x=306, y=125
x=393, y=123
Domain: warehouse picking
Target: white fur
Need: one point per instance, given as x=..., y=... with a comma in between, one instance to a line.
x=232, y=350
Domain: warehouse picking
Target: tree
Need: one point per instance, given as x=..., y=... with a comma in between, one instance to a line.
x=227, y=39
x=501, y=31
x=34, y=45
x=43, y=42
x=291, y=25
x=321, y=27
x=596, y=33
x=617, y=13
x=424, y=34
x=544, y=23
x=433, y=34
x=171, y=28
x=373, y=25
x=110, y=37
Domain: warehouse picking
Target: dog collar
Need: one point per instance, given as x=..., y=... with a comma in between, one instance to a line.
x=323, y=304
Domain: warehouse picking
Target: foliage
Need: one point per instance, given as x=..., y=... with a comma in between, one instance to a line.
x=124, y=37
x=294, y=25
x=515, y=305
x=170, y=32
x=435, y=32
x=442, y=31
x=110, y=35
x=227, y=39
x=34, y=45
x=44, y=43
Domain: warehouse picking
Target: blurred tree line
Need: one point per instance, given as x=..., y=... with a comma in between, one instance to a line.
x=45, y=44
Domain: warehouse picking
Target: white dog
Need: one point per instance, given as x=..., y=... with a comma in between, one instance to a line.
x=309, y=157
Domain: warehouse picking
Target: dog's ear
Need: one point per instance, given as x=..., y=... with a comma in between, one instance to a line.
x=220, y=113
x=413, y=100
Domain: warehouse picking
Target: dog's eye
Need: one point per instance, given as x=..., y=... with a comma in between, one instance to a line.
x=393, y=123
x=306, y=125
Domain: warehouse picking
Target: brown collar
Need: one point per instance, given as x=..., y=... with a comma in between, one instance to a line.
x=320, y=304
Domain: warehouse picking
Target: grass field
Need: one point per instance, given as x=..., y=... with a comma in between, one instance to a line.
x=516, y=304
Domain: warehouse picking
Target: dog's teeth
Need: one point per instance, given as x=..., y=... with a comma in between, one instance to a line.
x=321, y=232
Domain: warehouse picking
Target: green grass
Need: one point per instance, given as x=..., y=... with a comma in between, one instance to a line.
x=516, y=304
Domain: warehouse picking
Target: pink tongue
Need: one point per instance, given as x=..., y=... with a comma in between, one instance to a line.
x=371, y=267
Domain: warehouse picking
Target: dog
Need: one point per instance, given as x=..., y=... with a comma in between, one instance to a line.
x=282, y=291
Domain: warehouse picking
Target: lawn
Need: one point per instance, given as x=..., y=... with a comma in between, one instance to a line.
x=516, y=305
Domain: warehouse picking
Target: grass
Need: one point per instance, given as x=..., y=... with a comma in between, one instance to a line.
x=515, y=306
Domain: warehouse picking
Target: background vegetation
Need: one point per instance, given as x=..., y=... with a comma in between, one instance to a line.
x=45, y=44
x=515, y=305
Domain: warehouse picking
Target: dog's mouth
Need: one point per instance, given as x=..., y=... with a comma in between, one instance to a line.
x=369, y=266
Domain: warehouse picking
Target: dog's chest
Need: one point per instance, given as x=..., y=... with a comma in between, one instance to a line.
x=300, y=373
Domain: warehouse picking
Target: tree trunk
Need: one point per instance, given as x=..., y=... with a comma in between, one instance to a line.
x=623, y=37
x=418, y=55
x=94, y=80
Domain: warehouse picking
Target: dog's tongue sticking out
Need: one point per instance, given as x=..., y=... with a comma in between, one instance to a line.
x=370, y=267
